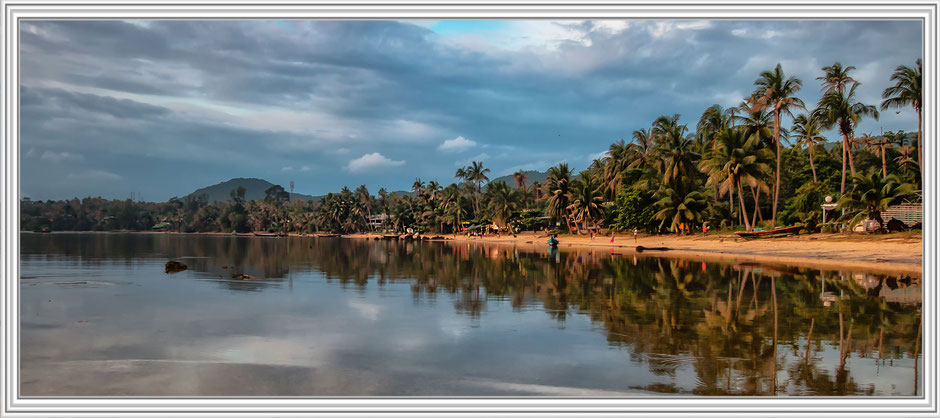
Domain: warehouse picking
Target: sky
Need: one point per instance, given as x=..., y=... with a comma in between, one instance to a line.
x=161, y=108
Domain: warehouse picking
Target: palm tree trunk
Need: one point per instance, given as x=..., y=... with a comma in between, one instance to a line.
x=773, y=217
x=731, y=205
x=756, y=194
x=920, y=149
x=844, y=151
x=851, y=157
x=812, y=166
x=884, y=163
x=747, y=225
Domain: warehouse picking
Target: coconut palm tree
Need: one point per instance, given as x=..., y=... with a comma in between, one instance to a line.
x=477, y=175
x=502, y=201
x=737, y=159
x=617, y=159
x=640, y=151
x=776, y=91
x=836, y=77
x=878, y=146
x=678, y=207
x=841, y=109
x=872, y=194
x=713, y=120
x=559, y=188
x=808, y=132
x=908, y=91
x=451, y=203
x=677, y=158
x=586, y=200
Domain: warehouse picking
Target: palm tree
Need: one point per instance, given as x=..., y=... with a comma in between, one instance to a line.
x=872, y=194
x=776, y=91
x=364, y=199
x=713, y=121
x=908, y=91
x=586, y=200
x=476, y=174
x=677, y=158
x=617, y=159
x=502, y=202
x=559, y=185
x=840, y=109
x=736, y=159
x=521, y=178
x=807, y=132
x=451, y=203
x=641, y=149
x=878, y=146
x=836, y=77
x=678, y=207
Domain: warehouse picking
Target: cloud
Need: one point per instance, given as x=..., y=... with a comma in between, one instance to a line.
x=373, y=161
x=94, y=176
x=457, y=144
x=58, y=157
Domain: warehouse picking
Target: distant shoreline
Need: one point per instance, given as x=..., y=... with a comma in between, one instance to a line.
x=895, y=253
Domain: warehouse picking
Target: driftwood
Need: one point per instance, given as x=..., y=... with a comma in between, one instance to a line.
x=174, y=267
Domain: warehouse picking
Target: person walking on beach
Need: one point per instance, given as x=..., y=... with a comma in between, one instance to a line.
x=592, y=235
x=612, y=237
x=705, y=229
x=635, y=232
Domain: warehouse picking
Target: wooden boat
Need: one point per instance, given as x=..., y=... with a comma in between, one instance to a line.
x=773, y=233
x=269, y=235
x=45, y=230
x=328, y=235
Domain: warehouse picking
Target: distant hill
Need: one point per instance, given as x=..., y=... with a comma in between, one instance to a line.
x=530, y=177
x=254, y=190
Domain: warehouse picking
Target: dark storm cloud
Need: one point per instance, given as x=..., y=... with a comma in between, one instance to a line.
x=165, y=107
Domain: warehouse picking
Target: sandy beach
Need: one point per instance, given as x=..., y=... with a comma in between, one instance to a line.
x=893, y=253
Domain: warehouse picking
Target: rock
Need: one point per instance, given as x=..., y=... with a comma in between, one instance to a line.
x=895, y=225
x=174, y=267
x=918, y=225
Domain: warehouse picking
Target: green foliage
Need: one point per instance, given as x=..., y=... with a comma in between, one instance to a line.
x=634, y=209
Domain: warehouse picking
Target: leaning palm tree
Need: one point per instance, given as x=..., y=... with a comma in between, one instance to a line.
x=640, y=151
x=777, y=91
x=872, y=194
x=908, y=91
x=559, y=188
x=841, y=109
x=501, y=203
x=808, y=132
x=587, y=203
x=836, y=77
x=737, y=159
x=678, y=207
x=713, y=120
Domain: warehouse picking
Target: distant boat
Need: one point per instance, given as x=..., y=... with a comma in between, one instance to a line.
x=45, y=230
x=328, y=235
x=773, y=233
x=280, y=234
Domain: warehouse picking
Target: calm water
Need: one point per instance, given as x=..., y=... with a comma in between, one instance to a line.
x=99, y=316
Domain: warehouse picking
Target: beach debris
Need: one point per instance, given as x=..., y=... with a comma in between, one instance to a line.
x=640, y=248
x=896, y=225
x=174, y=267
x=243, y=276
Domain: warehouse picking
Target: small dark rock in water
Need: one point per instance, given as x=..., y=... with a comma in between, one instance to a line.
x=174, y=267
x=242, y=276
x=918, y=225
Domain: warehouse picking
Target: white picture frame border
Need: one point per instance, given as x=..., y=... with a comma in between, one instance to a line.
x=14, y=11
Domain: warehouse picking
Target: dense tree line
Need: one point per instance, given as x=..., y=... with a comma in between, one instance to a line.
x=762, y=163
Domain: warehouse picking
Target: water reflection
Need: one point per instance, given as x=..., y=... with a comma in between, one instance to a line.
x=691, y=327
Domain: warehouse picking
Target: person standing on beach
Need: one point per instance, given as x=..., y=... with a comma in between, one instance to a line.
x=612, y=237
x=635, y=232
x=705, y=229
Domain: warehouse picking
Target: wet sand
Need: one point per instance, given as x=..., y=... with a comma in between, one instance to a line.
x=892, y=253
